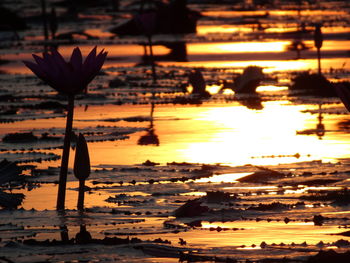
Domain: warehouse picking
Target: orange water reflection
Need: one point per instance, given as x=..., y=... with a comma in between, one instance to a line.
x=240, y=14
x=212, y=133
x=272, y=65
x=34, y=198
x=222, y=178
x=252, y=234
x=237, y=47
x=271, y=55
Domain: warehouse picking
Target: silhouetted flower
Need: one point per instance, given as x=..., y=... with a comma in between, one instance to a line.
x=82, y=159
x=67, y=77
x=81, y=168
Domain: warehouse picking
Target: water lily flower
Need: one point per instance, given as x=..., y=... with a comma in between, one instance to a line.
x=81, y=168
x=70, y=77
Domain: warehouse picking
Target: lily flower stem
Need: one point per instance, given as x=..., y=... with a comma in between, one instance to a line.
x=154, y=74
x=80, y=204
x=319, y=60
x=61, y=196
x=44, y=17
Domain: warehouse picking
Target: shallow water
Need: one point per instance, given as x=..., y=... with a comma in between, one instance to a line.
x=212, y=133
x=264, y=166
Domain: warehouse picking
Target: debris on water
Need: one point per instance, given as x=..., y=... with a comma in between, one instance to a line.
x=198, y=83
x=267, y=207
x=339, y=197
x=9, y=200
x=247, y=82
x=318, y=220
x=191, y=208
x=314, y=84
x=262, y=176
x=219, y=197
x=150, y=163
x=10, y=171
x=329, y=256
x=19, y=137
x=83, y=240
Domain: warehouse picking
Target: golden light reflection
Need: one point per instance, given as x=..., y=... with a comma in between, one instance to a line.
x=305, y=189
x=251, y=233
x=278, y=28
x=222, y=54
x=222, y=178
x=42, y=198
x=307, y=12
x=212, y=133
x=227, y=13
x=193, y=194
x=214, y=89
x=237, y=47
x=236, y=142
x=271, y=88
x=240, y=14
x=270, y=187
x=98, y=33
x=242, y=134
x=330, y=45
x=272, y=65
x=208, y=29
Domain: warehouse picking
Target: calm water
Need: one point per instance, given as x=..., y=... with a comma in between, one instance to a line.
x=292, y=134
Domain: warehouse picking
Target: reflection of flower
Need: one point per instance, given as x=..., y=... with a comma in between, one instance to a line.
x=67, y=77
x=149, y=139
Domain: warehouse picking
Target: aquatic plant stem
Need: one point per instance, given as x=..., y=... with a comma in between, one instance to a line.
x=80, y=204
x=154, y=74
x=44, y=17
x=61, y=195
x=319, y=60
x=318, y=39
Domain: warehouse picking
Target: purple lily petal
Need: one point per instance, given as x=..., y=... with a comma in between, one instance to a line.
x=36, y=69
x=58, y=57
x=58, y=60
x=47, y=65
x=76, y=60
x=90, y=58
x=88, y=65
x=67, y=77
x=44, y=64
x=100, y=59
x=40, y=61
